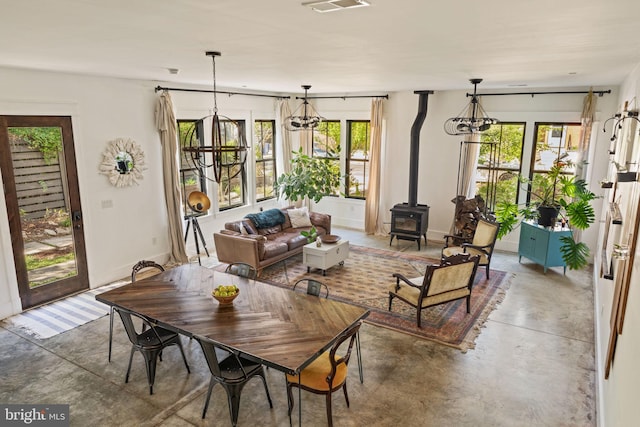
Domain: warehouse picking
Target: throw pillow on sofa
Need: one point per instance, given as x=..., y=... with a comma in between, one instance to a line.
x=299, y=217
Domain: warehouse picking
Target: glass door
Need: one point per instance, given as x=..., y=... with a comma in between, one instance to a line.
x=43, y=206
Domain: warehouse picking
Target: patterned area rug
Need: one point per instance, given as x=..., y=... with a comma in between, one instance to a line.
x=364, y=280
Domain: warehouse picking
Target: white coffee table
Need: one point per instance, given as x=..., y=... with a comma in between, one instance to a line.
x=325, y=256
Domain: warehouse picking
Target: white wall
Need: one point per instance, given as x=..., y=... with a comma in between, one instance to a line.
x=618, y=395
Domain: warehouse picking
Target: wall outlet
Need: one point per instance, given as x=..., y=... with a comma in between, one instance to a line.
x=154, y=241
x=106, y=204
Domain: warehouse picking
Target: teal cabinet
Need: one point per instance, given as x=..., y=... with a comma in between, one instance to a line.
x=542, y=245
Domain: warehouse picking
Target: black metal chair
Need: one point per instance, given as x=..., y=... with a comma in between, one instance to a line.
x=326, y=374
x=140, y=267
x=314, y=288
x=231, y=372
x=145, y=269
x=149, y=343
x=241, y=269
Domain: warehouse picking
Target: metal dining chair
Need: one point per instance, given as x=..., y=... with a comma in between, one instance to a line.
x=314, y=287
x=241, y=269
x=232, y=372
x=140, y=267
x=149, y=343
x=327, y=373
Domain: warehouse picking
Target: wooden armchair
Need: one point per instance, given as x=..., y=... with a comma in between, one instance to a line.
x=482, y=243
x=440, y=284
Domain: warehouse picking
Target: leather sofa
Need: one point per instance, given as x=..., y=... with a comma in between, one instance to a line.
x=243, y=241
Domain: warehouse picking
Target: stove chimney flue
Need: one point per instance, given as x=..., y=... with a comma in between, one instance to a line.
x=414, y=152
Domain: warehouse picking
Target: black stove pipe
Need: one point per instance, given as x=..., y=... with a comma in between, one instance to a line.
x=414, y=153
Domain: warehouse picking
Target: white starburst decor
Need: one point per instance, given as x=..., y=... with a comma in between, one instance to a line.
x=123, y=162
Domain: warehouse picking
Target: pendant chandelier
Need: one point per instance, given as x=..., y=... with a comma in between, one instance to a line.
x=225, y=155
x=304, y=117
x=465, y=125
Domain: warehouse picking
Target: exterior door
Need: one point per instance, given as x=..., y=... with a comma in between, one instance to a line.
x=37, y=159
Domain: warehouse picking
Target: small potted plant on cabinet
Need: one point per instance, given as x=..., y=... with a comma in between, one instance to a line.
x=554, y=195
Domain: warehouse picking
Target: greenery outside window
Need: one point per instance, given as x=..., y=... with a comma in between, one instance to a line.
x=326, y=144
x=357, y=178
x=265, y=151
x=554, y=142
x=500, y=163
x=192, y=178
x=232, y=186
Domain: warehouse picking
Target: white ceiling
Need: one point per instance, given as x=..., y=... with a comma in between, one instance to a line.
x=277, y=45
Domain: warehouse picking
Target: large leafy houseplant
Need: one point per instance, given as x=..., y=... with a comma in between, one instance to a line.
x=310, y=177
x=571, y=200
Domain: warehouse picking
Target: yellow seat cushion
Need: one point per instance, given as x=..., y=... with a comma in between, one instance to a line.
x=315, y=375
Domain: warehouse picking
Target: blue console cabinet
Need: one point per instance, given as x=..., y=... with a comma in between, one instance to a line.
x=542, y=245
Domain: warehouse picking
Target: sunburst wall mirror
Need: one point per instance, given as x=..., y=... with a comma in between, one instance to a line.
x=123, y=162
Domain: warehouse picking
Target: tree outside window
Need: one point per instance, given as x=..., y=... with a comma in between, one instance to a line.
x=231, y=189
x=192, y=178
x=264, y=133
x=554, y=143
x=500, y=163
x=326, y=144
x=357, y=180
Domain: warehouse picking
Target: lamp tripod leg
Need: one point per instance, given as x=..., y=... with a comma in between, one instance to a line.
x=196, y=225
x=195, y=237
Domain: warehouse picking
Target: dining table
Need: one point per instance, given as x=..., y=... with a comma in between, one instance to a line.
x=271, y=323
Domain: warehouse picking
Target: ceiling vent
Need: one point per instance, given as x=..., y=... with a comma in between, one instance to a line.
x=333, y=5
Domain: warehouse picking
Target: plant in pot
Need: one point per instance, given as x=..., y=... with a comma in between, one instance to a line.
x=310, y=178
x=554, y=195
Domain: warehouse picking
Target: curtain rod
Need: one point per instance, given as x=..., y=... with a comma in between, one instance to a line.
x=344, y=97
x=599, y=92
x=159, y=88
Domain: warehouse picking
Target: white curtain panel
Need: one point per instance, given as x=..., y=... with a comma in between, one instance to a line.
x=283, y=111
x=166, y=124
x=372, y=221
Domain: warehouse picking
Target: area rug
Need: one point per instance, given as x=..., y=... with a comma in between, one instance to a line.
x=63, y=315
x=364, y=280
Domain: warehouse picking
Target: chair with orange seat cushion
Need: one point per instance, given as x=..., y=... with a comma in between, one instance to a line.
x=326, y=374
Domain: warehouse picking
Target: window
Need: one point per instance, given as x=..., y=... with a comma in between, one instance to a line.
x=357, y=180
x=500, y=163
x=192, y=178
x=554, y=143
x=231, y=189
x=326, y=144
x=264, y=137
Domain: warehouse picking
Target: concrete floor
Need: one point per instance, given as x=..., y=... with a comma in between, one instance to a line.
x=533, y=365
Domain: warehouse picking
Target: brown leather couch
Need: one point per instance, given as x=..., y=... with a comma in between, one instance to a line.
x=242, y=241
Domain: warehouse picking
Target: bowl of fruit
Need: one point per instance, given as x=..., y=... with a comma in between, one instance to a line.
x=225, y=294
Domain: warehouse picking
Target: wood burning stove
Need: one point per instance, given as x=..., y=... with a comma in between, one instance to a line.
x=409, y=221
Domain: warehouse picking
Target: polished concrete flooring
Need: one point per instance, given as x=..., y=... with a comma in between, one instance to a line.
x=533, y=365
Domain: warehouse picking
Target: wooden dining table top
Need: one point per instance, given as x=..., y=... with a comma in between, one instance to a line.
x=281, y=328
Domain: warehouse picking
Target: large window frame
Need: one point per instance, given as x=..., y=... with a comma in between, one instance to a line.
x=192, y=178
x=264, y=137
x=500, y=163
x=325, y=143
x=357, y=159
x=553, y=142
x=233, y=177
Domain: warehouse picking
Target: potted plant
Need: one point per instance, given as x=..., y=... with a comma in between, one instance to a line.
x=311, y=235
x=310, y=177
x=554, y=195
